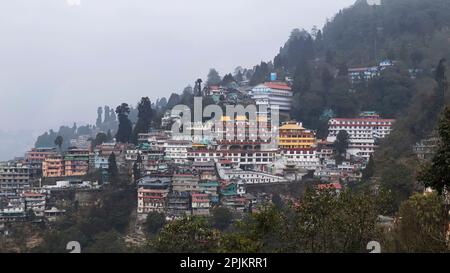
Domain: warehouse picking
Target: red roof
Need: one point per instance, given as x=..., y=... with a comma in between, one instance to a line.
x=278, y=85
x=332, y=186
x=199, y=195
x=363, y=119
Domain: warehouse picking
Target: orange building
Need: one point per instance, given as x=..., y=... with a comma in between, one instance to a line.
x=53, y=166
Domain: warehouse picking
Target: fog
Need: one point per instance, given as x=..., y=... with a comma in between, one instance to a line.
x=61, y=59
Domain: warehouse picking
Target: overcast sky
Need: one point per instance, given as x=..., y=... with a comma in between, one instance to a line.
x=59, y=61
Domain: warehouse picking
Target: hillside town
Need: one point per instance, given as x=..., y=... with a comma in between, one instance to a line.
x=190, y=175
x=334, y=139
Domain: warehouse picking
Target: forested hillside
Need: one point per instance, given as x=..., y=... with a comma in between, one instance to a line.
x=415, y=36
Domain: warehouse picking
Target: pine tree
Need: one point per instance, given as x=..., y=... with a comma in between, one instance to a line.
x=59, y=142
x=107, y=114
x=98, y=123
x=436, y=174
x=109, y=136
x=125, y=130
x=144, y=119
x=113, y=171
x=137, y=166
x=213, y=77
x=341, y=145
x=369, y=170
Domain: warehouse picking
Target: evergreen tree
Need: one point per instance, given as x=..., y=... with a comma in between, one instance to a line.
x=59, y=140
x=302, y=77
x=213, y=77
x=107, y=114
x=99, y=139
x=113, y=171
x=239, y=76
x=112, y=116
x=228, y=79
x=155, y=222
x=125, y=130
x=369, y=170
x=174, y=100
x=221, y=218
x=137, y=168
x=436, y=174
x=98, y=123
x=261, y=74
x=144, y=119
x=109, y=136
x=341, y=145
x=441, y=78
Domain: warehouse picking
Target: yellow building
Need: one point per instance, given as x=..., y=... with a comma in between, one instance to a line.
x=292, y=135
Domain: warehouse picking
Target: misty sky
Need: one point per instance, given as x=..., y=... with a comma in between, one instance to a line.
x=58, y=62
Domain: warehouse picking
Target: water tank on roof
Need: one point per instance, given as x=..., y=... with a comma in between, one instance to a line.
x=273, y=77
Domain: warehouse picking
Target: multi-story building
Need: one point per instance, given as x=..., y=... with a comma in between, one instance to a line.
x=250, y=177
x=363, y=132
x=178, y=204
x=292, y=135
x=325, y=150
x=81, y=142
x=35, y=157
x=201, y=167
x=201, y=204
x=76, y=162
x=242, y=142
x=155, y=139
x=367, y=73
x=35, y=202
x=235, y=203
x=14, y=176
x=305, y=158
x=100, y=162
x=273, y=94
x=359, y=74
x=297, y=146
x=53, y=166
x=38, y=155
x=254, y=159
x=54, y=214
x=152, y=194
x=177, y=150
x=426, y=148
x=210, y=188
x=12, y=209
x=185, y=182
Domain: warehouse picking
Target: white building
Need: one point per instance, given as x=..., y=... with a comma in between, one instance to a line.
x=177, y=150
x=249, y=159
x=14, y=176
x=249, y=177
x=35, y=202
x=363, y=132
x=273, y=94
x=81, y=142
x=307, y=158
